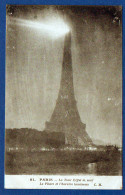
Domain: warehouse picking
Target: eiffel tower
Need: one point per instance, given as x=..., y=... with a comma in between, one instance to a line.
x=65, y=117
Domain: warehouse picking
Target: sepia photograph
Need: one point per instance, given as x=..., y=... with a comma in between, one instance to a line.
x=63, y=96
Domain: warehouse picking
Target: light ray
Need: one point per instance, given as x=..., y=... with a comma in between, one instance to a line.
x=55, y=28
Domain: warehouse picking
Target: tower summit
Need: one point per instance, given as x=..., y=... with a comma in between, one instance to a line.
x=65, y=117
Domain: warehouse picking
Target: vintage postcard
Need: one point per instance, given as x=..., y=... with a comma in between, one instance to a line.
x=63, y=104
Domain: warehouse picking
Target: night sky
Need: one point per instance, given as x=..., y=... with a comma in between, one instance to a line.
x=34, y=60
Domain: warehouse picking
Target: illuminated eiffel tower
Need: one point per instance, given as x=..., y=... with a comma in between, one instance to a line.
x=65, y=117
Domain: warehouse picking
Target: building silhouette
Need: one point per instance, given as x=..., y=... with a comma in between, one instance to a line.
x=65, y=117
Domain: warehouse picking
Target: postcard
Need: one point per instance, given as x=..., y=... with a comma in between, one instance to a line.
x=63, y=104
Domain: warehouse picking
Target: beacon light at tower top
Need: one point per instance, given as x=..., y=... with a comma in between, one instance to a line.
x=54, y=27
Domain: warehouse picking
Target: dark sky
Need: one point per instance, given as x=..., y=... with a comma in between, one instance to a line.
x=34, y=60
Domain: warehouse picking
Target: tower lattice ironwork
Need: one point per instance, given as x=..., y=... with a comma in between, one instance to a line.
x=65, y=117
